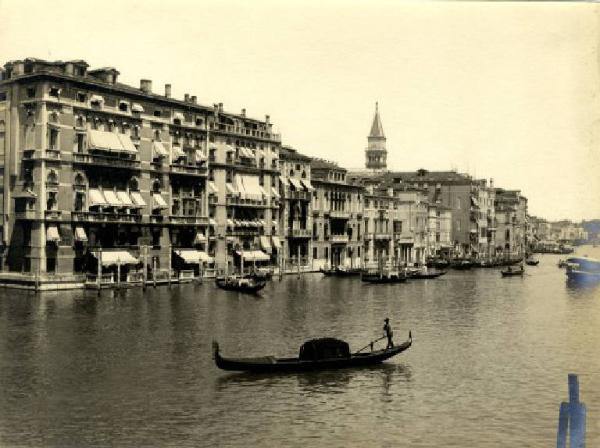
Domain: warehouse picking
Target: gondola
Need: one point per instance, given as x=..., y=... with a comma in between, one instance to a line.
x=511, y=273
x=240, y=284
x=427, y=275
x=532, y=262
x=316, y=354
x=383, y=278
x=341, y=272
x=461, y=265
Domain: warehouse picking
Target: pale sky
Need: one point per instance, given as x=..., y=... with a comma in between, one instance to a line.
x=503, y=90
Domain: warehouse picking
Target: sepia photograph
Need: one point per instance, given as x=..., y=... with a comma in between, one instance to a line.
x=299, y=223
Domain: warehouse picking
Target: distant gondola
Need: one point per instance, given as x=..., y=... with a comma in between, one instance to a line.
x=461, y=264
x=426, y=275
x=240, y=284
x=341, y=272
x=532, y=262
x=511, y=273
x=316, y=354
x=383, y=278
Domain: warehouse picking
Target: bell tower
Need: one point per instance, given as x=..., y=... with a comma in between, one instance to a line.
x=376, y=154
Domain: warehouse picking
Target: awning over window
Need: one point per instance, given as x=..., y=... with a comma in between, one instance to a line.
x=124, y=198
x=112, y=257
x=137, y=199
x=307, y=184
x=136, y=107
x=80, y=234
x=52, y=235
x=230, y=189
x=110, y=141
x=159, y=149
x=193, y=256
x=159, y=202
x=265, y=244
x=275, y=223
x=112, y=198
x=178, y=152
x=178, y=116
x=262, y=190
x=212, y=188
x=253, y=255
x=251, y=187
x=212, y=222
x=474, y=201
x=200, y=155
x=246, y=152
x=275, y=193
x=276, y=243
x=229, y=148
x=96, y=99
x=296, y=184
x=230, y=223
x=97, y=198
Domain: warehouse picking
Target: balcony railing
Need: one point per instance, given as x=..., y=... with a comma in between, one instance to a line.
x=53, y=214
x=339, y=214
x=298, y=195
x=190, y=170
x=404, y=237
x=299, y=233
x=189, y=220
x=104, y=160
x=232, y=200
x=339, y=238
x=106, y=217
x=27, y=214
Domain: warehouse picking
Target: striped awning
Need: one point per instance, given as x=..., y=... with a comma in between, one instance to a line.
x=137, y=199
x=52, y=234
x=159, y=149
x=159, y=202
x=253, y=255
x=112, y=257
x=80, y=234
x=96, y=198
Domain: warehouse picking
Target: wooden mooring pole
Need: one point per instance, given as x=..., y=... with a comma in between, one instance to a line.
x=571, y=418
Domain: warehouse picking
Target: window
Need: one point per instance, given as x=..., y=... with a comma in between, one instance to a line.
x=53, y=143
x=458, y=203
x=157, y=135
x=79, y=201
x=157, y=113
x=314, y=253
x=358, y=251
x=54, y=91
x=81, y=97
x=80, y=142
x=31, y=92
x=198, y=121
x=327, y=252
x=51, y=203
x=2, y=96
x=123, y=106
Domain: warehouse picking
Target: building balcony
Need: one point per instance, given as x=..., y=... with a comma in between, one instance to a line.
x=339, y=214
x=156, y=219
x=188, y=220
x=188, y=170
x=107, y=217
x=404, y=238
x=239, y=202
x=27, y=214
x=53, y=215
x=107, y=161
x=299, y=233
x=382, y=236
x=298, y=195
x=340, y=239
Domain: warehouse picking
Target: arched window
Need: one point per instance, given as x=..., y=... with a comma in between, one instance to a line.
x=79, y=180
x=133, y=184
x=52, y=178
x=80, y=121
x=53, y=117
x=156, y=186
x=303, y=174
x=157, y=135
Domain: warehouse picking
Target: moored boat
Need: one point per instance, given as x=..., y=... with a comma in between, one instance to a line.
x=240, y=284
x=461, y=264
x=341, y=272
x=424, y=275
x=512, y=272
x=383, y=277
x=532, y=262
x=316, y=354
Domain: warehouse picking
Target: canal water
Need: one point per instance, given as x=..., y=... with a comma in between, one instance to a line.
x=488, y=366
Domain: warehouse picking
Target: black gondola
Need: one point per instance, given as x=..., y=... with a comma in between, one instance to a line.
x=461, y=264
x=426, y=275
x=532, y=262
x=316, y=354
x=383, y=278
x=240, y=284
x=341, y=272
x=511, y=273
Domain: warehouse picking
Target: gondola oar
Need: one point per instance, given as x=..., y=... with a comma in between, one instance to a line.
x=370, y=344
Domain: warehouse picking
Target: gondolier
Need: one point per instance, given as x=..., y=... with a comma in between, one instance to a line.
x=387, y=329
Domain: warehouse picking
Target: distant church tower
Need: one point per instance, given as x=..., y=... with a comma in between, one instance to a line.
x=376, y=152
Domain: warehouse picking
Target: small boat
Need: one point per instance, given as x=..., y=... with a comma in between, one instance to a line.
x=562, y=263
x=341, y=272
x=583, y=269
x=439, y=263
x=461, y=264
x=240, y=284
x=532, y=262
x=512, y=273
x=383, y=277
x=316, y=354
x=424, y=275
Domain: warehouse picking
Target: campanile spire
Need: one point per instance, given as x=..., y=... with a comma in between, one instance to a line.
x=376, y=153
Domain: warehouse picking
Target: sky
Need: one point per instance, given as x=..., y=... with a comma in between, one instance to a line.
x=501, y=90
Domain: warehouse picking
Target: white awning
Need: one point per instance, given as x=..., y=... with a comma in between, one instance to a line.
x=246, y=152
x=262, y=190
x=307, y=184
x=106, y=141
x=136, y=107
x=474, y=201
x=96, y=99
x=296, y=184
x=212, y=187
x=52, y=234
x=159, y=149
x=178, y=116
x=212, y=222
x=97, y=198
x=252, y=189
x=265, y=244
x=200, y=238
x=112, y=199
x=275, y=223
x=137, y=199
x=230, y=223
x=239, y=186
x=230, y=189
x=124, y=198
x=178, y=152
x=276, y=243
x=274, y=193
x=193, y=256
x=80, y=234
x=159, y=202
x=111, y=257
x=229, y=148
x=253, y=255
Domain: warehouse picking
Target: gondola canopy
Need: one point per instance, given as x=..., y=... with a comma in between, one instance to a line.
x=324, y=348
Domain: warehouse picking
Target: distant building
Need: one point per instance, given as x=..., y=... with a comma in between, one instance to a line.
x=511, y=216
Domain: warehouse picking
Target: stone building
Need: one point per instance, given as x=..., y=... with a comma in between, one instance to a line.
x=93, y=168
x=337, y=209
x=511, y=217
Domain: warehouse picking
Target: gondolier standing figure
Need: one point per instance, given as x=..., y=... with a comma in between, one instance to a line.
x=387, y=329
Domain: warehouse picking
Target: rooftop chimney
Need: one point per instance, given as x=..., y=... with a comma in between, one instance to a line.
x=186, y=97
x=146, y=85
x=243, y=112
x=194, y=99
x=220, y=107
x=491, y=183
x=267, y=118
x=168, y=90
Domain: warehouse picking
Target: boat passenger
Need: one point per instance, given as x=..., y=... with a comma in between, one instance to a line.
x=387, y=329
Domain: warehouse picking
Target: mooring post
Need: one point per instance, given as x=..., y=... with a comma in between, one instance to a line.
x=572, y=418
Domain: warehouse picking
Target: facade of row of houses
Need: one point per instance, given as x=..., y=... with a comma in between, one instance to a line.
x=96, y=173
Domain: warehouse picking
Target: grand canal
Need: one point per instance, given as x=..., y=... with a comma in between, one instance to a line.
x=488, y=365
